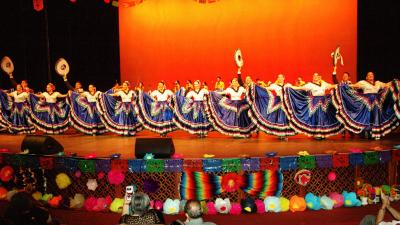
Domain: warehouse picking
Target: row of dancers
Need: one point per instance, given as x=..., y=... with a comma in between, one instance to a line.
x=316, y=108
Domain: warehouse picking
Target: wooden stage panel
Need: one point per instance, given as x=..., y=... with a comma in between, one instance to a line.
x=192, y=147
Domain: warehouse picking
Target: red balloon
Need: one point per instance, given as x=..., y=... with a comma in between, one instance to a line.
x=6, y=174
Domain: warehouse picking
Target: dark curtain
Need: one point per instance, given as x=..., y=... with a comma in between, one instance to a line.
x=85, y=33
x=379, y=39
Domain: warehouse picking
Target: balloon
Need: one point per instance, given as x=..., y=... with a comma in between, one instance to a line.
x=6, y=173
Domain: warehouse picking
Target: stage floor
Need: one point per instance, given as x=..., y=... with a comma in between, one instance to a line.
x=220, y=146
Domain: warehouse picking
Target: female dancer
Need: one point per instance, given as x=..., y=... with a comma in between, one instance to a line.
x=371, y=112
x=310, y=109
x=17, y=115
x=118, y=114
x=228, y=114
x=84, y=114
x=48, y=114
x=155, y=111
x=266, y=108
x=189, y=111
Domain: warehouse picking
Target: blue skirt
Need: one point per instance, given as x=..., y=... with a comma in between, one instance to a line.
x=266, y=110
x=191, y=116
x=311, y=115
x=229, y=117
x=395, y=87
x=51, y=118
x=366, y=112
x=4, y=109
x=118, y=117
x=156, y=116
x=84, y=115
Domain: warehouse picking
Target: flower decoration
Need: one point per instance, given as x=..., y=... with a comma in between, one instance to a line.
x=92, y=184
x=37, y=195
x=223, y=205
x=100, y=175
x=332, y=176
x=326, y=203
x=208, y=156
x=177, y=156
x=3, y=193
x=115, y=177
x=297, y=204
x=284, y=204
x=46, y=197
x=302, y=177
x=248, y=205
x=231, y=182
x=150, y=186
x=211, y=210
x=350, y=199
x=148, y=156
x=312, y=201
x=55, y=201
x=171, y=207
x=236, y=209
x=6, y=174
x=260, y=206
x=303, y=153
x=77, y=201
x=78, y=173
x=337, y=199
x=90, y=156
x=116, y=205
x=272, y=204
x=62, y=180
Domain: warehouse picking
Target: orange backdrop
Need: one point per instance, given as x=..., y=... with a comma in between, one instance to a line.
x=182, y=39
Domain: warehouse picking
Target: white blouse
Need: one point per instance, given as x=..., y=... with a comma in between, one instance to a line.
x=317, y=90
x=164, y=96
x=197, y=96
x=126, y=97
x=90, y=97
x=19, y=97
x=235, y=95
x=51, y=98
x=369, y=88
x=277, y=88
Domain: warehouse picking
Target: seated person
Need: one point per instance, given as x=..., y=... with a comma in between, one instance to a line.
x=24, y=210
x=378, y=220
x=137, y=211
x=194, y=214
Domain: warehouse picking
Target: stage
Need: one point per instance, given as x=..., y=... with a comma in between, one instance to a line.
x=216, y=144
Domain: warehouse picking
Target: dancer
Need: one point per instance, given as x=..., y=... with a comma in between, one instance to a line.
x=48, y=114
x=155, y=111
x=190, y=112
x=85, y=116
x=266, y=108
x=219, y=85
x=17, y=115
x=117, y=111
x=345, y=77
x=227, y=111
x=310, y=109
x=371, y=112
